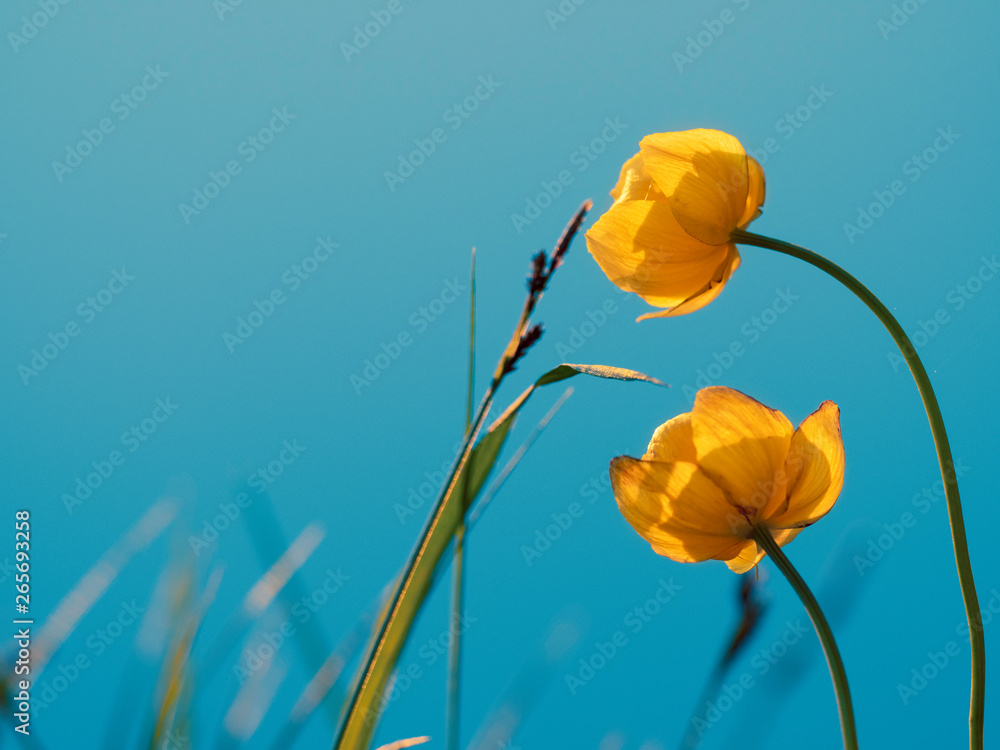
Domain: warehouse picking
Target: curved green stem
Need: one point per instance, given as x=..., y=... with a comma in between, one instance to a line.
x=958, y=538
x=763, y=537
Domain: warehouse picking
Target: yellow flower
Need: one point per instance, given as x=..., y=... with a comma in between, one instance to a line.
x=667, y=236
x=710, y=476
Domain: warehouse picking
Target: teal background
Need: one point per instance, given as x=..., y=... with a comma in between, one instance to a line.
x=556, y=79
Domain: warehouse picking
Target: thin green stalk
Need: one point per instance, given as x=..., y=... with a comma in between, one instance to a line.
x=945, y=462
x=762, y=535
x=458, y=581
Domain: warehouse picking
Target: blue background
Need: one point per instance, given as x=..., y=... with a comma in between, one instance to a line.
x=367, y=447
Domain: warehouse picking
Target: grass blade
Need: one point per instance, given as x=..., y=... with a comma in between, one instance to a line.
x=96, y=581
x=262, y=594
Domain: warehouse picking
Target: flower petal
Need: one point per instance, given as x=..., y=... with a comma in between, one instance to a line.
x=635, y=183
x=677, y=509
x=755, y=193
x=815, y=468
x=741, y=445
x=641, y=248
x=748, y=556
x=699, y=300
x=672, y=441
x=784, y=536
x=704, y=174
x=751, y=554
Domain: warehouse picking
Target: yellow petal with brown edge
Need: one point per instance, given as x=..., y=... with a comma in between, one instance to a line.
x=815, y=468
x=704, y=296
x=672, y=441
x=704, y=175
x=755, y=193
x=741, y=445
x=641, y=248
x=748, y=556
x=676, y=508
x=635, y=183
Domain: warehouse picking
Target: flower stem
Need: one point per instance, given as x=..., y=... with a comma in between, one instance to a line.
x=763, y=537
x=945, y=462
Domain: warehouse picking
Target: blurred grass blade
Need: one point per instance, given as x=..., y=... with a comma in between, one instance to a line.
x=96, y=581
x=400, y=744
x=150, y=642
x=364, y=710
x=176, y=681
x=269, y=544
x=253, y=700
x=751, y=608
x=273, y=581
x=262, y=594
